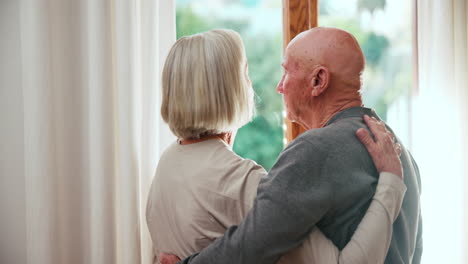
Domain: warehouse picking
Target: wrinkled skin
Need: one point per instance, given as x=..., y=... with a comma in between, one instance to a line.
x=322, y=75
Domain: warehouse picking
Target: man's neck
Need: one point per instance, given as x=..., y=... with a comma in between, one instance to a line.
x=318, y=118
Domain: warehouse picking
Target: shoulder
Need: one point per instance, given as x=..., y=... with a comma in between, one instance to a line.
x=212, y=158
x=300, y=164
x=227, y=174
x=226, y=159
x=316, y=151
x=343, y=129
x=312, y=145
x=336, y=140
x=239, y=172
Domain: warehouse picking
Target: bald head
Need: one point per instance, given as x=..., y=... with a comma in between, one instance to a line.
x=333, y=48
x=322, y=76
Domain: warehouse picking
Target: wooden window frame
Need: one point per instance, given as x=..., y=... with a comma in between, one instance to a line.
x=298, y=16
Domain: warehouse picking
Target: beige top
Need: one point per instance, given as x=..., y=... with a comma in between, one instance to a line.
x=201, y=189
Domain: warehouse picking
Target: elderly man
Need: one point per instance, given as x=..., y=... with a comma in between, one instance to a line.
x=325, y=177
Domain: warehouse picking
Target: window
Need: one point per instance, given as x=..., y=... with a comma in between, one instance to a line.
x=383, y=29
x=260, y=24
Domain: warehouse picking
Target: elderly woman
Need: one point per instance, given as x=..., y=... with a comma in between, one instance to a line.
x=202, y=187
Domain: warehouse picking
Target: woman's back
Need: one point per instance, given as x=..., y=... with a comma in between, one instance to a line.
x=199, y=190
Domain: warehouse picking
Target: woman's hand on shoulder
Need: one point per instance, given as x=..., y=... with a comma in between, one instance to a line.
x=166, y=258
x=384, y=151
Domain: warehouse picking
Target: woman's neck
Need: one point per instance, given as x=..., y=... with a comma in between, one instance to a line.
x=226, y=137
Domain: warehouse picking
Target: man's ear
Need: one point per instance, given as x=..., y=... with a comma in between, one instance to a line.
x=319, y=81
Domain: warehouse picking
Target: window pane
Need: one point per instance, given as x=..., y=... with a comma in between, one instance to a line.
x=259, y=22
x=383, y=29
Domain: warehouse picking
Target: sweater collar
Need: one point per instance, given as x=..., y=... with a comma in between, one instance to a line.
x=353, y=112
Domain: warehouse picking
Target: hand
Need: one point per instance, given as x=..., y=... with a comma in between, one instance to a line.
x=384, y=152
x=165, y=258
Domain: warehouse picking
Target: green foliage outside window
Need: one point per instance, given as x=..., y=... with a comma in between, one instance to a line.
x=386, y=78
x=262, y=139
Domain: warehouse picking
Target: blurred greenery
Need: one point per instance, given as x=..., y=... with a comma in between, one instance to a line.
x=376, y=94
x=262, y=139
x=371, y=5
x=374, y=47
x=386, y=76
x=188, y=23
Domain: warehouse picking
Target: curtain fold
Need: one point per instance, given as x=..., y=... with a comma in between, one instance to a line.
x=440, y=128
x=86, y=127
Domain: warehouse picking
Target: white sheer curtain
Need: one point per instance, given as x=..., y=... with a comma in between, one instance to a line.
x=440, y=128
x=80, y=127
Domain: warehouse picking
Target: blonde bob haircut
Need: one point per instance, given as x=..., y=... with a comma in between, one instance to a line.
x=205, y=88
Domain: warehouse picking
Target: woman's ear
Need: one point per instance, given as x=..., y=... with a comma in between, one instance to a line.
x=319, y=81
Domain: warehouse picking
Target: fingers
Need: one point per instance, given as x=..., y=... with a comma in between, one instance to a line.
x=383, y=150
x=373, y=127
x=381, y=134
x=165, y=258
x=398, y=149
x=365, y=138
x=378, y=129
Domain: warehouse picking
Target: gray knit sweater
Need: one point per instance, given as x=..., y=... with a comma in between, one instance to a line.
x=326, y=178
